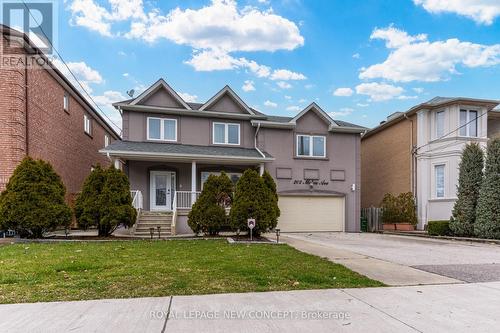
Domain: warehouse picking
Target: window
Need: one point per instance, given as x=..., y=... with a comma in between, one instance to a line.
x=66, y=101
x=439, y=124
x=87, y=124
x=468, y=123
x=106, y=140
x=162, y=129
x=439, y=180
x=311, y=145
x=234, y=176
x=226, y=134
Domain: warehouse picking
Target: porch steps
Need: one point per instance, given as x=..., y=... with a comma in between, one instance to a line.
x=148, y=220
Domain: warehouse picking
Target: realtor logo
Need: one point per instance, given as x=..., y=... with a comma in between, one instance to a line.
x=37, y=19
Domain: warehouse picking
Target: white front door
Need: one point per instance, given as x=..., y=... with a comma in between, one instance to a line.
x=162, y=187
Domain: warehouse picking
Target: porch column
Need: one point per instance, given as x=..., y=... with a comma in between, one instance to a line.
x=193, y=182
x=261, y=169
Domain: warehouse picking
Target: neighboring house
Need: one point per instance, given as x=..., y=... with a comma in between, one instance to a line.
x=170, y=147
x=43, y=115
x=419, y=151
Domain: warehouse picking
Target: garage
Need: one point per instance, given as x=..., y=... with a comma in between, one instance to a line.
x=311, y=213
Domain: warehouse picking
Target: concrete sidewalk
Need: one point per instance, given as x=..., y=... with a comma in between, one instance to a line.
x=436, y=308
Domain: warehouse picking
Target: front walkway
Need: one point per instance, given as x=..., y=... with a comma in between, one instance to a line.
x=432, y=308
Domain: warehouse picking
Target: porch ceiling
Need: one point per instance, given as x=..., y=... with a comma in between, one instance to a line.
x=153, y=151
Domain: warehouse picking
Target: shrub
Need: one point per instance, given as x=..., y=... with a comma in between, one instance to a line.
x=400, y=209
x=105, y=201
x=208, y=214
x=33, y=201
x=253, y=199
x=273, y=194
x=469, y=183
x=488, y=207
x=439, y=228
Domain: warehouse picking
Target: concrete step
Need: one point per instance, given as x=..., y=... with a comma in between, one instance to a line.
x=155, y=217
x=139, y=230
x=155, y=235
x=156, y=213
x=154, y=223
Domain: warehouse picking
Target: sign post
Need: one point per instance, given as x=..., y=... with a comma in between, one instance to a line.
x=251, y=225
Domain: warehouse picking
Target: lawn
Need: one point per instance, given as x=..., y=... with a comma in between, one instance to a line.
x=36, y=272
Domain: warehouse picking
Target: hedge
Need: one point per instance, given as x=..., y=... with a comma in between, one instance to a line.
x=439, y=228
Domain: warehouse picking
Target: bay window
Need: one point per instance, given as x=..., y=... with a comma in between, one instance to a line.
x=439, y=124
x=439, y=180
x=468, y=123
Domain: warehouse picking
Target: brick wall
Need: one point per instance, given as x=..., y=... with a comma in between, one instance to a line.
x=386, y=162
x=53, y=134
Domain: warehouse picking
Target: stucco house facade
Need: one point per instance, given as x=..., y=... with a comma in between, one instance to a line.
x=42, y=115
x=419, y=151
x=170, y=147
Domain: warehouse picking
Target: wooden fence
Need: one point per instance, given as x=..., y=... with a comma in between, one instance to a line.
x=374, y=217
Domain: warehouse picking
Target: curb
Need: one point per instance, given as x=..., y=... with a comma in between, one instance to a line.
x=462, y=239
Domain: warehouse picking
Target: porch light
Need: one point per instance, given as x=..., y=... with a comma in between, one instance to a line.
x=277, y=235
x=151, y=231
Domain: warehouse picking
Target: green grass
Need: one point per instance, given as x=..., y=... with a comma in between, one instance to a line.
x=36, y=272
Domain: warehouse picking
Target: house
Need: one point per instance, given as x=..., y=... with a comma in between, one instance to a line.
x=419, y=151
x=43, y=115
x=170, y=147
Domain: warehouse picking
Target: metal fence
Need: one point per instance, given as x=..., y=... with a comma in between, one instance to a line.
x=374, y=218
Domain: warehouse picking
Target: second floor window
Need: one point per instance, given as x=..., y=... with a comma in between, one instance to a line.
x=439, y=124
x=311, y=146
x=87, y=124
x=468, y=123
x=162, y=129
x=106, y=140
x=439, y=180
x=226, y=134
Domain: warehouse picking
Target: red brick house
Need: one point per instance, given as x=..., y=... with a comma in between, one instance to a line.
x=43, y=115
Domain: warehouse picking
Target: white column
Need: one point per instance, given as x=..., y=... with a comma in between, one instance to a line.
x=261, y=169
x=193, y=182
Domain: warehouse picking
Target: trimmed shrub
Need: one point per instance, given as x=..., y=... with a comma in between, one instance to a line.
x=400, y=209
x=439, y=228
x=253, y=199
x=469, y=182
x=105, y=201
x=33, y=201
x=208, y=214
x=488, y=207
x=273, y=194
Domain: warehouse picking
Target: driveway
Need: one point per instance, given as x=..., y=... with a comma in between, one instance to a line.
x=394, y=259
x=443, y=308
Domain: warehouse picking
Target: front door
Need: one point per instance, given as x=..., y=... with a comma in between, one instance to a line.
x=162, y=185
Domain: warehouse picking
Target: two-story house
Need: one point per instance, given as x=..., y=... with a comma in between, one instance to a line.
x=170, y=147
x=419, y=151
x=42, y=115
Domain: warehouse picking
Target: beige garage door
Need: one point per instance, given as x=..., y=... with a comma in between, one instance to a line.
x=311, y=213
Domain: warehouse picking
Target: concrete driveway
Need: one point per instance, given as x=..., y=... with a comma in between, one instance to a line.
x=401, y=260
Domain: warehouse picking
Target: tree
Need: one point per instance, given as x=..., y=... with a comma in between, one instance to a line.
x=33, y=201
x=273, y=194
x=105, y=201
x=208, y=214
x=488, y=207
x=252, y=199
x=469, y=182
x=399, y=209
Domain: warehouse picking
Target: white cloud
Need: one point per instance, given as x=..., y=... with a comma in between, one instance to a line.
x=309, y=86
x=481, y=11
x=302, y=100
x=356, y=56
x=414, y=58
x=288, y=97
x=345, y=92
x=379, y=91
x=418, y=90
x=293, y=108
x=285, y=75
x=126, y=74
x=283, y=85
x=270, y=104
x=188, y=97
x=363, y=105
x=343, y=112
x=248, y=86
x=83, y=72
x=105, y=102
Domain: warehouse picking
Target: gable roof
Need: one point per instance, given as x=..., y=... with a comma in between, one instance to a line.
x=315, y=107
x=160, y=84
x=227, y=90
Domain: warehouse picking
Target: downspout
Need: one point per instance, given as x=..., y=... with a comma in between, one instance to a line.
x=255, y=141
x=413, y=165
x=26, y=104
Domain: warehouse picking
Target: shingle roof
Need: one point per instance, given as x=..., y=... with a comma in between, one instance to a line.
x=342, y=123
x=181, y=149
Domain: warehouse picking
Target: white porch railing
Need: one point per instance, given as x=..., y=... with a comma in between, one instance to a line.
x=182, y=200
x=137, y=199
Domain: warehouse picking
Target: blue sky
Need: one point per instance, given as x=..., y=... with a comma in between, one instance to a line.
x=359, y=60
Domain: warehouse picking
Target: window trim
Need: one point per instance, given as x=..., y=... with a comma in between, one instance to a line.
x=87, y=119
x=438, y=136
x=311, y=146
x=226, y=133
x=66, y=102
x=443, y=165
x=467, y=122
x=162, y=129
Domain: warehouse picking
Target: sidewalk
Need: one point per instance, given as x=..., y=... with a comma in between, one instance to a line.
x=431, y=308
